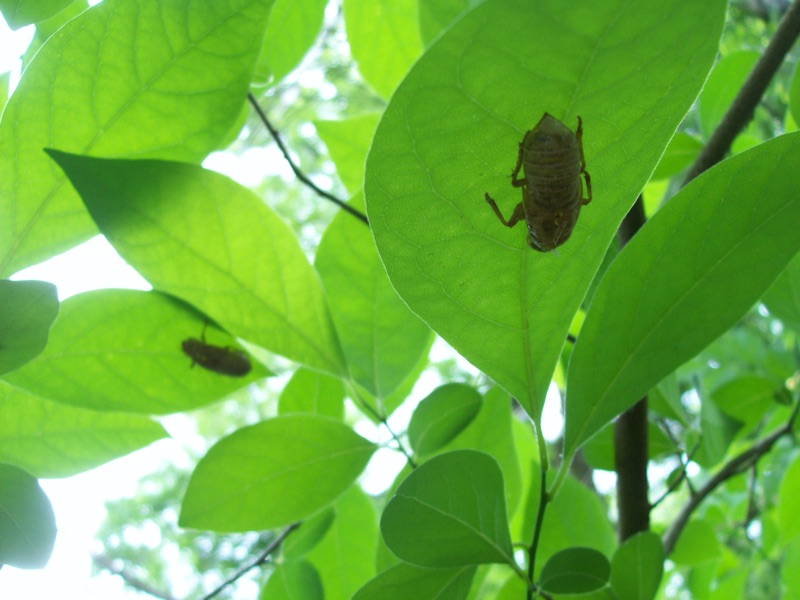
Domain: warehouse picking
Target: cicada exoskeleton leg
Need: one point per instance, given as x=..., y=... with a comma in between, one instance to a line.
x=584, y=172
x=516, y=216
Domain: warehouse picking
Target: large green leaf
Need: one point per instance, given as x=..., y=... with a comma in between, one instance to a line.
x=27, y=310
x=274, y=473
x=450, y=512
x=404, y=581
x=49, y=439
x=27, y=522
x=689, y=274
x=382, y=340
x=202, y=237
x=120, y=350
x=451, y=133
x=126, y=78
x=696, y=545
x=637, y=567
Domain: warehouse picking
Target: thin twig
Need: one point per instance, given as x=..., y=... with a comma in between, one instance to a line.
x=298, y=173
x=129, y=578
x=744, y=105
x=262, y=558
x=733, y=467
x=679, y=479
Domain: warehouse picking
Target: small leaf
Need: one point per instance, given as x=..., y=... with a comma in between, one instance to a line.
x=312, y=392
x=404, y=581
x=296, y=580
x=27, y=521
x=681, y=151
x=27, y=310
x=721, y=87
x=166, y=220
x=788, y=515
x=717, y=430
x=308, y=535
x=442, y=415
x=637, y=567
x=575, y=571
x=450, y=512
x=273, y=473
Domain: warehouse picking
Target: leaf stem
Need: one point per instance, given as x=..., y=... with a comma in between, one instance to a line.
x=544, y=499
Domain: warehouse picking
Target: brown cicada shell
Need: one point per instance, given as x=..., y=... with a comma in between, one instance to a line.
x=551, y=157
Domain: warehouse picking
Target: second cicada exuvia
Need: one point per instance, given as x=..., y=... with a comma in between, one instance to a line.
x=551, y=158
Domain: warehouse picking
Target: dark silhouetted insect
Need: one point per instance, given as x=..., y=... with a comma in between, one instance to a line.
x=225, y=361
x=552, y=195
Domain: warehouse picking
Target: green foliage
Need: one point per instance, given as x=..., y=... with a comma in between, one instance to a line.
x=337, y=317
x=28, y=309
x=27, y=522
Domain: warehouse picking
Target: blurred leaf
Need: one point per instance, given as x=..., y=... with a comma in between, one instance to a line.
x=312, y=392
x=293, y=581
x=724, y=82
x=716, y=432
x=451, y=133
x=345, y=558
x=794, y=96
x=790, y=567
x=18, y=13
x=384, y=39
x=450, y=512
x=437, y=15
x=746, y=398
x=637, y=567
x=599, y=450
x=273, y=473
x=680, y=153
x=348, y=142
x=575, y=571
x=292, y=29
x=49, y=439
x=697, y=544
x=27, y=522
x=166, y=220
x=382, y=339
x=308, y=535
x=27, y=310
x=687, y=276
x=119, y=69
x=783, y=296
x=788, y=515
x=404, y=581
x=442, y=415
x=120, y=350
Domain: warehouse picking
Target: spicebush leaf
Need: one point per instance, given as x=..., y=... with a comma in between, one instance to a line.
x=686, y=277
x=121, y=68
x=450, y=512
x=451, y=133
x=27, y=310
x=204, y=238
x=273, y=473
